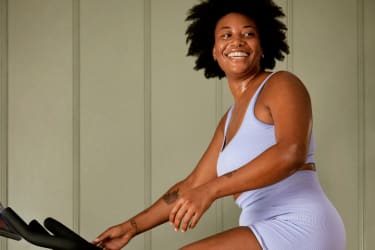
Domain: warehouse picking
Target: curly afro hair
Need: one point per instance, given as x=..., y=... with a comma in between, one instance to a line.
x=204, y=16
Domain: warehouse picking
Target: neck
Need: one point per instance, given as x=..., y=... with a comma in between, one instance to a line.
x=239, y=86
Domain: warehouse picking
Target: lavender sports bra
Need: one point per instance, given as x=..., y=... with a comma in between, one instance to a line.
x=252, y=138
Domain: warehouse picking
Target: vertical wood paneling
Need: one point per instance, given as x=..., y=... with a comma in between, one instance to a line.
x=3, y=102
x=76, y=117
x=111, y=114
x=288, y=10
x=287, y=7
x=361, y=123
x=3, y=108
x=147, y=115
x=40, y=110
x=369, y=102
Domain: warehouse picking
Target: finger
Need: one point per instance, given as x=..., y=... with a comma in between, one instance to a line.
x=195, y=220
x=107, y=235
x=112, y=245
x=100, y=239
x=116, y=243
x=179, y=215
x=176, y=208
x=97, y=243
x=187, y=220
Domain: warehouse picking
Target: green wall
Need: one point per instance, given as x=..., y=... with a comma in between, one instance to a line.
x=101, y=111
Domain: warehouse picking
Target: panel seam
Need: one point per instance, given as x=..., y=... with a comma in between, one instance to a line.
x=361, y=125
x=147, y=116
x=4, y=105
x=76, y=116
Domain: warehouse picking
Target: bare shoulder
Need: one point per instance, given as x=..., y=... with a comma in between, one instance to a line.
x=284, y=79
x=284, y=84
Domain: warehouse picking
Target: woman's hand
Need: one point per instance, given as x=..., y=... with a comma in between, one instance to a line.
x=190, y=207
x=116, y=237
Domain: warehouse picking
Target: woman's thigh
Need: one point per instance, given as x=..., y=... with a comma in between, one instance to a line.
x=241, y=238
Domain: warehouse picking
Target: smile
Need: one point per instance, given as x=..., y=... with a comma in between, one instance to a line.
x=237, y=54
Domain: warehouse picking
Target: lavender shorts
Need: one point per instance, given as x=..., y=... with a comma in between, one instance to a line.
x=293, y=214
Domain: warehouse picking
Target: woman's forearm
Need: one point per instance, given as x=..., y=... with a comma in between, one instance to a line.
x=158, y=213
x=273, y=165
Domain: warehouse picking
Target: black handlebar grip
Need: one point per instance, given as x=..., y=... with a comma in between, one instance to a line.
x=36, y=237
x=35, y=227
x=62, y=239
x=61, y=230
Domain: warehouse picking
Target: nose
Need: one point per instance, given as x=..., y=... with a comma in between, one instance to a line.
x=238, y=42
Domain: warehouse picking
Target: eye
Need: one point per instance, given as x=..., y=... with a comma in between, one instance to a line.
x=226, y=36
x=249, y=34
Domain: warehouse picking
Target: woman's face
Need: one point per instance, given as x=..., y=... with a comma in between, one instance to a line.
x=237, y=45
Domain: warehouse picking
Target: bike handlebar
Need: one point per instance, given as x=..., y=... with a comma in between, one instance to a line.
x=62, y=238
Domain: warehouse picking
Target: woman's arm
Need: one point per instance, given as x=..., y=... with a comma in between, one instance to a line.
x=284, y=102
x=118, y=236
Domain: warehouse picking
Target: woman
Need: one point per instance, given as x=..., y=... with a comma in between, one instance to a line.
x=262, y=152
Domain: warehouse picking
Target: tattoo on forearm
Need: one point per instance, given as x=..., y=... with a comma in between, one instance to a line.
x=171, y=196
x=133, y=223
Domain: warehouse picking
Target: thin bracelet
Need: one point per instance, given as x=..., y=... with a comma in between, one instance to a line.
x=134, y=225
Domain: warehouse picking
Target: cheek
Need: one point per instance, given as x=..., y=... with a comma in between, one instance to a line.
x=218, y=52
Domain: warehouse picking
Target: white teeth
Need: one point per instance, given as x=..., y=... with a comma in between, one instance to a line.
x=237, y=54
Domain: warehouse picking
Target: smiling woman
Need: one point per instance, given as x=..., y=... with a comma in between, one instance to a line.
x=237, y=45
x=262, y=152
x=201, y=31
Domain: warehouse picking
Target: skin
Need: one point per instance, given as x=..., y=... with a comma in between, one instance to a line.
x=283, y=102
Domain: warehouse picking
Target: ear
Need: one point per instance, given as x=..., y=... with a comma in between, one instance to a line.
x=214, y=53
